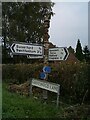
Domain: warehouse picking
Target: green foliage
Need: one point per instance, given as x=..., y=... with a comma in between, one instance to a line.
x=71, y=50
x=73, y=78
x=79, y=53
x=23, y=21
x=15, y=106
x=19, y=73
x=86, y=54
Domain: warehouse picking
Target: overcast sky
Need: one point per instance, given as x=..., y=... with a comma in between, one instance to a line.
x=69, y=24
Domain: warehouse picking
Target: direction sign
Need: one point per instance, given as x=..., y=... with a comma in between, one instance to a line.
x=43, y=75
x=26, y=49
x=58, y=54
x=53, y=87
x=46, y=69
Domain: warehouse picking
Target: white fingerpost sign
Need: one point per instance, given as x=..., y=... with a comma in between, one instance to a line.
x=58, y=54
x=26, y=49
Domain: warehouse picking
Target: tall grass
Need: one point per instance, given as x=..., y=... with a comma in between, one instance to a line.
x=17, y=106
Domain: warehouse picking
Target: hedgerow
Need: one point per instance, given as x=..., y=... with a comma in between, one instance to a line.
x=72, y=77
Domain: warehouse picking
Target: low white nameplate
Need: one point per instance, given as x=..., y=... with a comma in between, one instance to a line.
x=53, y=87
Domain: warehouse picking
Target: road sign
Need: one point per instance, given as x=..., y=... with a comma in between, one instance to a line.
x=46, y=85
x=53, y=87
x=42, y=75
x=46, y=69
x=26, y=49
x=58, y=54
x=34, y=56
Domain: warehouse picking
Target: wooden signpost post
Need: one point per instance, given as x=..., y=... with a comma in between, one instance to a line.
x=47, y=16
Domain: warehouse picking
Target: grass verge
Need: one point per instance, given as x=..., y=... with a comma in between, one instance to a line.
x=18, y=106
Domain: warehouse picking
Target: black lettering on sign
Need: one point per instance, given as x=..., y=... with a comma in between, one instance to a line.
x=62, y=53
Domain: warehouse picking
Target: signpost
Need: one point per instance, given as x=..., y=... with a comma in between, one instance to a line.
x=26, y=49
x=34, y=51
x=53, y=87
x=58, y=54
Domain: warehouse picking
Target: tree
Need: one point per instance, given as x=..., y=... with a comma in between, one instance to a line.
x=23, y=21
x=79, y=53
x=71, y=50
x=86, y=53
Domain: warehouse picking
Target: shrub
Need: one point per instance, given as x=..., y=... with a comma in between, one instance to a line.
x=73, y=78
x=19, y=72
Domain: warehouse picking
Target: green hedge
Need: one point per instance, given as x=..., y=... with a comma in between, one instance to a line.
x=19, y=73
x=73, y=77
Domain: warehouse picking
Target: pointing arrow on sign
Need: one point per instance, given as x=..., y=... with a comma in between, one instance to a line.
x=67, y=53
x=12, y=48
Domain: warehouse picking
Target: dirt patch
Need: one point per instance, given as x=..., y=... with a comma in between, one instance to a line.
x=24, y=89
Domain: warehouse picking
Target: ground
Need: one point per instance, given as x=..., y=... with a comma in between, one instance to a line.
x=16, y=105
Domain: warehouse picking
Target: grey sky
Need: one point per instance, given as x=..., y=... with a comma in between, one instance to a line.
x=69, y=24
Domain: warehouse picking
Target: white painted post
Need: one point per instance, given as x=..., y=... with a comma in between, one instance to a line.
x=30, y=87
x=58, y=96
